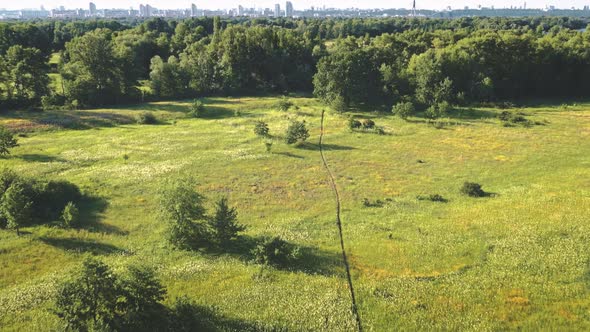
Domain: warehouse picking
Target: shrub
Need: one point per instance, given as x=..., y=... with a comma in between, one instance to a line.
x=296, y=132
x=53, y=196
x=7, y=141
x=268, y=145
x=284, y=104
x=225, y=223
x=432, y=198
x=197, y=109
x=472, y=189
x=368, y=124
x=147, y=118
x=275, y=252
x=70, y=215
x=353, y=124
x=403, y=109
x=261, y=128
x=438, y=110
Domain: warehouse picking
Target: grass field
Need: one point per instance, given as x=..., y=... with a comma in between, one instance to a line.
x=518, y=259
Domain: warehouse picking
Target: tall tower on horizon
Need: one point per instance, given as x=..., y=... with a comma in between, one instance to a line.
x=414, y=9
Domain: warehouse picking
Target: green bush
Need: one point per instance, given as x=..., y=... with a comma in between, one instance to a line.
x=472, y=189
x=147, y=118
x=339, y=104
x=197, y=109
x=261, y=128
x=275, y=252
x=7, y=141
x=404, y=109
x=70, y=215
x=296, y=132
x=284, y=104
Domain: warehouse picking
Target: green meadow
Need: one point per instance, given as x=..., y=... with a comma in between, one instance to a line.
x=516, y=259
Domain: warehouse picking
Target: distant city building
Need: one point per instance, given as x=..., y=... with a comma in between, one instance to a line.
x=289, y=9
x=193, y=10
x=92, y=9
x=277, y=10
x=28, y=14
x=240, y=11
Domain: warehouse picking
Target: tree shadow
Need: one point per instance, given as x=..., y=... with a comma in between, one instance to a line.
x=91, y=212
x=81, y=246
x=40, y=158
x=310, y=260
x=289, y=154
x=326, y=147
x=471, y=114
x=217, y=112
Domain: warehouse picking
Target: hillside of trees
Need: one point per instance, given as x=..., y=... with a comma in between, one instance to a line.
x=345, y=62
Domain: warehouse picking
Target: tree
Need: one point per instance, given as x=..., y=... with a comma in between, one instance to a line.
x=26, y=77
x=166, y=78
x=93, y=74
x=89, y=298
x=275, y=252
x=284, y=104
x=182, y=207
x=70, y=215
x=95, y=298
x=16, y=206
x=296, y=132
x=7, y=141
x=197, y=109
x=224, y=222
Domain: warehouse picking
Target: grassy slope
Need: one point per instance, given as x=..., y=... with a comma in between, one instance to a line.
x=515, y=260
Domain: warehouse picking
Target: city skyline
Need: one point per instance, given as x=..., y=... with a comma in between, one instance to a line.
x=300, y=4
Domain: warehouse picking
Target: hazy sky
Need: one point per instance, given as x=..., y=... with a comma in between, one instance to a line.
x=298, y=4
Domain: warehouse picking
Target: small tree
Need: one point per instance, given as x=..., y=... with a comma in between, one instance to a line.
x=142, y=293
x=7, y=141
x=70, y=215
x=268, y=145
x=275, y=252
x=197, y=109
x=297, y=132
x=147, y=118
x=284, y=104
x=182, y=207
x=403, y=109
x=224, y=222
x=16, y=206
x=261, y=128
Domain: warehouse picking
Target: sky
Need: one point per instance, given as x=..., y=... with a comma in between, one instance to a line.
x=298, y=4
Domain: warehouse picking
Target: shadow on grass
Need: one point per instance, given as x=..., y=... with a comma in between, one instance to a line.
x=91, y=212
x=39, y=158
x=217, y=112
x=289, y=154
x=81, y=246
x=310, y=261
x=327, y=147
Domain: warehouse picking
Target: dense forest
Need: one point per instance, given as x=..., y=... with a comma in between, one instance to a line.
x=345, y=62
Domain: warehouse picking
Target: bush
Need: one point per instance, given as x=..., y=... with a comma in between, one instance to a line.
x=339, y=104
x=284, y=104
x=472, y=189
x=70, y=215
x=368, y=124
x=353, y=124
x=438, y=110
x=433, y=198
x=403, y=109
x=7, y=141
x=197, y=109
x=296, y=132
x=275, y=252
x=225, y=223
x=261, y=128
x=53, y=196
x=147, y=118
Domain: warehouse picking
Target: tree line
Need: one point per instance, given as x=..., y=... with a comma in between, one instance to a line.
x=348, y=62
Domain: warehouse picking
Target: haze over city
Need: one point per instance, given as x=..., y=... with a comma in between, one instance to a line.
x=300, y=4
